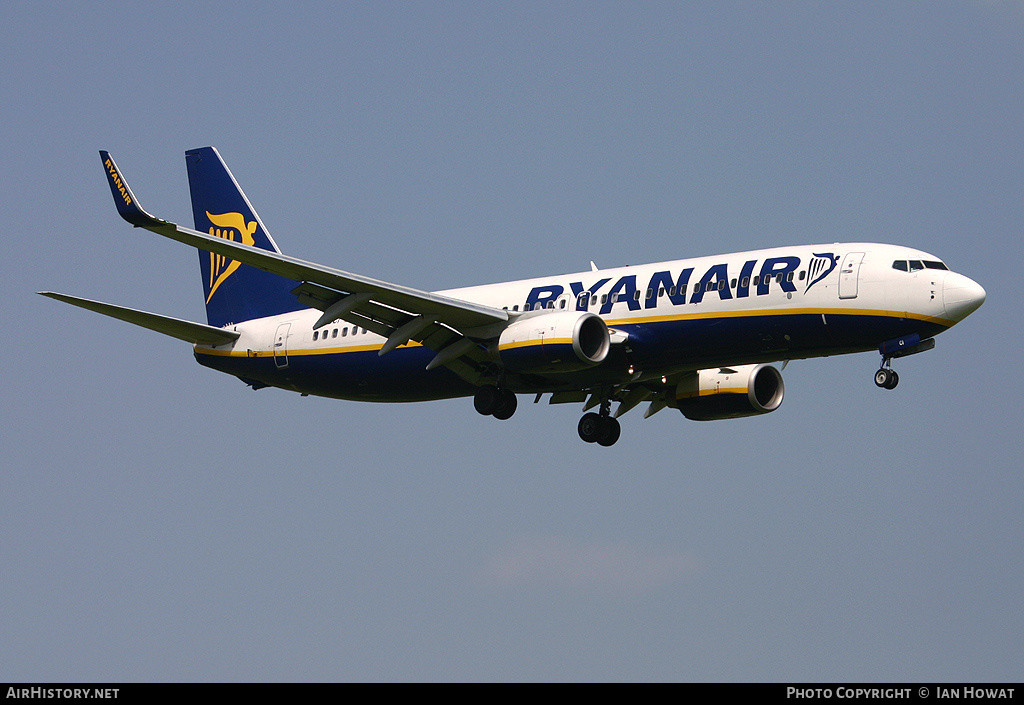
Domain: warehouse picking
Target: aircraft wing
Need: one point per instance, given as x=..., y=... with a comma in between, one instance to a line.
x=461, y=315
x=443, y=324
x=195, y=333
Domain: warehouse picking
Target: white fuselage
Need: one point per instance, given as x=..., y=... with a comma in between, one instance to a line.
x=764, y=305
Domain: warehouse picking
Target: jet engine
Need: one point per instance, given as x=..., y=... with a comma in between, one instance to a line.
x=730, y=392
x=563, y=341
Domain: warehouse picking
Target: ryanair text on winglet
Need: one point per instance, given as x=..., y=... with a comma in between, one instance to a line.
x=116, y=179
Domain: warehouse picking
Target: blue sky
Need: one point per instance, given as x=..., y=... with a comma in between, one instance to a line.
x=162, y=522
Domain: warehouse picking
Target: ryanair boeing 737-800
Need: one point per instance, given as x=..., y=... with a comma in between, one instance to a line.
x=695, y=334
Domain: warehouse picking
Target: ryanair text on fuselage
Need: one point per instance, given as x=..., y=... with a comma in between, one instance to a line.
x=715, y=280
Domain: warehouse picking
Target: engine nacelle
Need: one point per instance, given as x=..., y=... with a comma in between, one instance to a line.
x=730, y=392
x=565, y=341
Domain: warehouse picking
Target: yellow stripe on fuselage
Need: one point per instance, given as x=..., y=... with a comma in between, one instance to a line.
x=752, y=313
x=748, y=313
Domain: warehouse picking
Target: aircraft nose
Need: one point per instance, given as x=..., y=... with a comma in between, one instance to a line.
x=961, y=296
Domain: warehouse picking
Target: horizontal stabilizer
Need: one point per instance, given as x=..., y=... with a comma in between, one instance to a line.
x=195, y=333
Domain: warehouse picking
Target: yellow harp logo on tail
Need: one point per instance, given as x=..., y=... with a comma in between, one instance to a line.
x=225, y=226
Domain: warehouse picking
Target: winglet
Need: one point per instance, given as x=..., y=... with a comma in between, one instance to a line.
x=127, y=205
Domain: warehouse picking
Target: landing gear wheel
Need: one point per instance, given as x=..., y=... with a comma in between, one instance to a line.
x=487, y=399
x=894, y=379
x=491, y=401
x=507, y=405
x=610, y=431
x=590, y=428
x=603, y=430
x=886, y=378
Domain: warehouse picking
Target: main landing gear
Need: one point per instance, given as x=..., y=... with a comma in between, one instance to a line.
x=602, y=428
x=492, y=401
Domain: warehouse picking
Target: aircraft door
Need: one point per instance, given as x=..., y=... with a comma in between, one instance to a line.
x=281, y=345
x=849, y=275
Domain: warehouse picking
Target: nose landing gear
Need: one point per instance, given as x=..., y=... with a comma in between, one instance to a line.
x=886, y=377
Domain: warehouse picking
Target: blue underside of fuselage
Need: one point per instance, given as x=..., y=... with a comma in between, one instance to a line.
x=659, y=347
x=399, y=376
x=713, y=342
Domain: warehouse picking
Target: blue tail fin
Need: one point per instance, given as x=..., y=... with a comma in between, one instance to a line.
x=234, y=292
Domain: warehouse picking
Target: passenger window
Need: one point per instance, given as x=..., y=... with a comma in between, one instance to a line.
x=757, y=280
x=672, y=291
x=721, y=284
x=561, y=304
x=746, y=282
x=789, y=277
x=335, y=333
x=316, y=335
x=344, y=332
x=802, y=273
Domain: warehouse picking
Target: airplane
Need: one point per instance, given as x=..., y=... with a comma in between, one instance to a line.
x=697, y=335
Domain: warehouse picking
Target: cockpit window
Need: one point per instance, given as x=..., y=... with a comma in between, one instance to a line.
x=916, y=265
